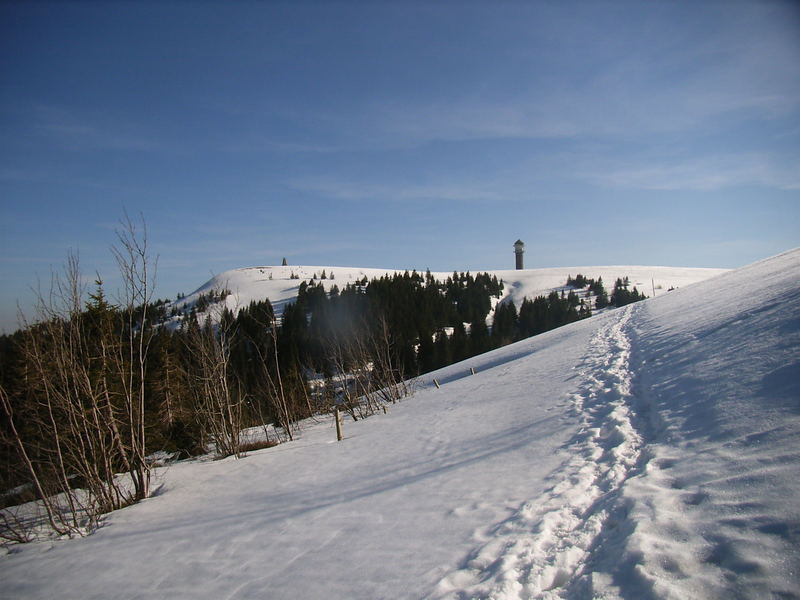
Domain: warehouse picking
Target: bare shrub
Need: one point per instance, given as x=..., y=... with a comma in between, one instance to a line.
x=78, y=417
x=218, y=402
x=257, y=445
x=365, y=374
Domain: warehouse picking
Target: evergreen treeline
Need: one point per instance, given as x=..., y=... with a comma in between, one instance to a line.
x=621, y=295
x=594, y=287
x=417, y=311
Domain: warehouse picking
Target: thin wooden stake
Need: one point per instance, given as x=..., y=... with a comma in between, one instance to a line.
x=436, y=383
x=472, y=370
x=337, y=415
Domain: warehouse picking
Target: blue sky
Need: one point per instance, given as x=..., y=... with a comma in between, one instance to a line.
x=419, y=135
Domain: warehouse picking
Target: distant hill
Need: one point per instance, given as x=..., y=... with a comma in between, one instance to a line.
x=281, y=283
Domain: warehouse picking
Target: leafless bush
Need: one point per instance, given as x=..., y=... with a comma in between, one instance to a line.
x=218, y=402
x=283, y=396
x=366, y=376
x=78, y=418
x=257, y=445
x=138, y=278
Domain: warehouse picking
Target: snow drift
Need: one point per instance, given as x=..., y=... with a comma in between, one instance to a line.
x=652, y=451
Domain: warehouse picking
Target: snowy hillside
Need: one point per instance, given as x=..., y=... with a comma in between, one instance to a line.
x=651, y=451
x=281, y=284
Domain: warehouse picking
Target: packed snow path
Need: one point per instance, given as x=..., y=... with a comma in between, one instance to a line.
x=542, y=549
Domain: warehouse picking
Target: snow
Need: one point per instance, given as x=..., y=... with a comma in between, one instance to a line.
x=276, y=283
x=651, y=451
x=652, y=281
x=279, y=284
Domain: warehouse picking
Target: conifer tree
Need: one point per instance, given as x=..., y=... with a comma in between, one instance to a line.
x=504, y=326
x=442, y=350
x=459, y=343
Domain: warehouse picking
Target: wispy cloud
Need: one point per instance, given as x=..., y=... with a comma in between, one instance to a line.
x=39, y=175
x=619, y=102
x=463, y=120
x=77, y=132
x=254, y=142
x=362, y=190
x=704, y=173
x=678, y=79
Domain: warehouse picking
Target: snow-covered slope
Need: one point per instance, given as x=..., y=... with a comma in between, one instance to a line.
x=281, y=284
x=651, y=451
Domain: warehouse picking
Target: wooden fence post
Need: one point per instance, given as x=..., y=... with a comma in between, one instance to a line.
x=338, y=416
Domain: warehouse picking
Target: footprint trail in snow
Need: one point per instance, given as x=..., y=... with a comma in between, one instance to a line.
x=542, y=549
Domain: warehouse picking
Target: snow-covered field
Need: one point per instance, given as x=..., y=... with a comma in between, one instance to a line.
x=277, y=283
x=651, y=451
